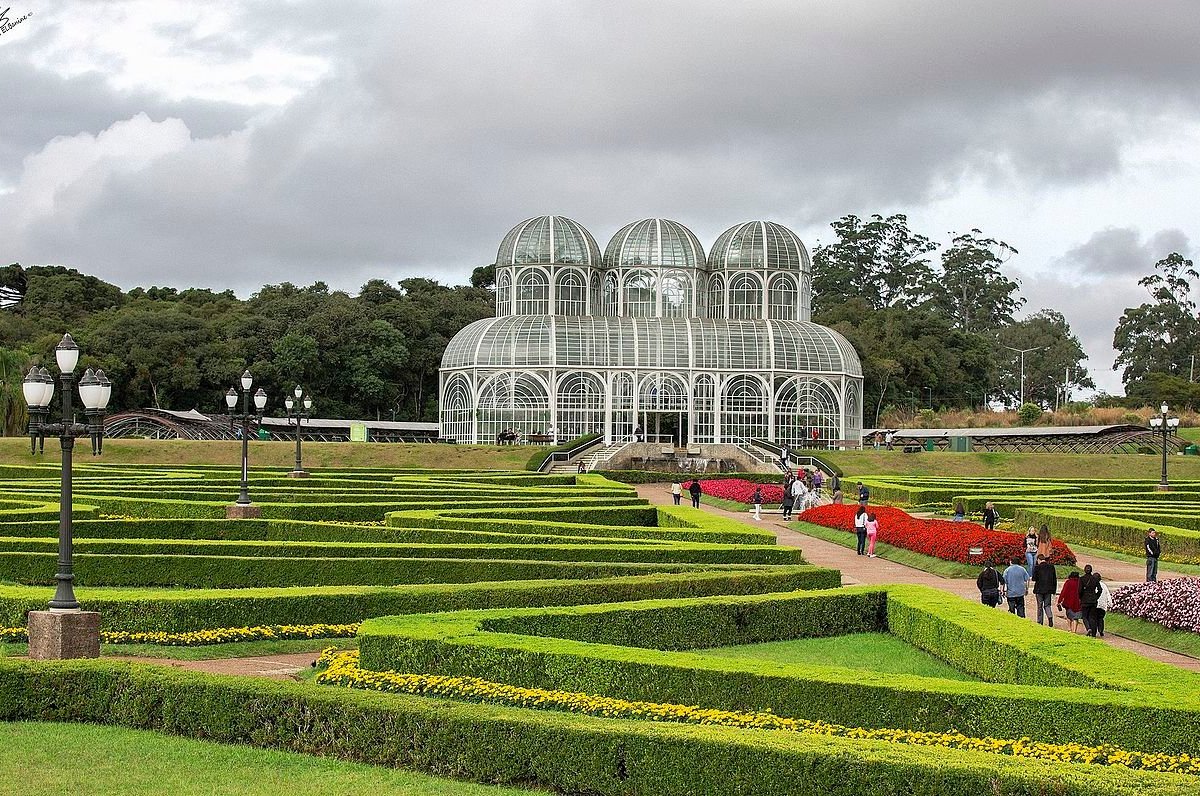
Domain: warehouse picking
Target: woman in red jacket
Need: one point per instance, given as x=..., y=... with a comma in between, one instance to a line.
x=1068, y=600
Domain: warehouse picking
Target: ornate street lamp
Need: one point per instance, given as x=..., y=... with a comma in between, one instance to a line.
x=247, y=419
x=298, y=408
x=1167, y=424
x=77, y=636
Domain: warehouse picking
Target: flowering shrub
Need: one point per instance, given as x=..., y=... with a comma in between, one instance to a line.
x=740, y=490
x=198, y=638
x=944, y=539
x=341, y=668
x=1174, y=603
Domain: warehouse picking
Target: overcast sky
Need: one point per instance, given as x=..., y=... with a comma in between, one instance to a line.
x=234, y=144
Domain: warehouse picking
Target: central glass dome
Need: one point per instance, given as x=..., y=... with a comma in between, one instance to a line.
x=755, y=245
x=548, y=239
x=654, y=242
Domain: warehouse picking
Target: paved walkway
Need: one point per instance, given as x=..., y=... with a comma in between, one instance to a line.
x=274, y=667
x=858, y=570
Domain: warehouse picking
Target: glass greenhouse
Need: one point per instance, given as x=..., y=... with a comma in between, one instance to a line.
x=652, y=339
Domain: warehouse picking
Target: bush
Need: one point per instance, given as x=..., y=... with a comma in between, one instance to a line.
x=1029, y=414
x=539, y=456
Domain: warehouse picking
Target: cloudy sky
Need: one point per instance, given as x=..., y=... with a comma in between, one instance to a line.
x=239, y=143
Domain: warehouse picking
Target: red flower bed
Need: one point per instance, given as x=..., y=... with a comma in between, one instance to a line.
x=740, y=490
x=944, y=539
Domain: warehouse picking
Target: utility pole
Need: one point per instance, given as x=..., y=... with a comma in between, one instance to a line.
x=1023, y=352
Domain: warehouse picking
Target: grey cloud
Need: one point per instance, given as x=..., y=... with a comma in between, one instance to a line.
x=1121, y=251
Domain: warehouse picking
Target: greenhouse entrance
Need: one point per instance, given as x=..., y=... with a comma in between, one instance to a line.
x=665, y=427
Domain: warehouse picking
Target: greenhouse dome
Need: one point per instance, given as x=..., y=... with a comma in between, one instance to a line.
x=643, y=336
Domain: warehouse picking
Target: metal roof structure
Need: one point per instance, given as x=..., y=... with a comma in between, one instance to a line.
x=172, y=424
x=1121, y=438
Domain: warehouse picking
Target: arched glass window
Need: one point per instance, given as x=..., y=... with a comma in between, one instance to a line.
x=782, y=298
x=622, y=406
x=676, y=295
x=570, y=294
x=716, y=297
x=704, y=404
x=743, y=409
x=580, y=405
x=513, y=401
x=803, y=406
x=456, y=409
x=504, y=294
x=854, y=410
x=745, y=297
x=595, y=297
x=533, y=293
x=639, y=294
x=611, y=293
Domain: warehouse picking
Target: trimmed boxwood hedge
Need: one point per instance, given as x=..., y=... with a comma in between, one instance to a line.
x=1084, y=692
x=569, y=753
x=1108, y=533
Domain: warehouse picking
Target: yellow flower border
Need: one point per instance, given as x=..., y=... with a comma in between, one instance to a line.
x=199, y=638
x=342, y=668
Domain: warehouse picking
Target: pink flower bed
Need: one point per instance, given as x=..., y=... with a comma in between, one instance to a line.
x=739, y=490
x=1174, y=603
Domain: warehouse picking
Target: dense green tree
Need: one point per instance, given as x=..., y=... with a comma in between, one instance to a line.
x=1046, y=370
x=13, y=365
x=1154, y=389
x=878, y=260
x=970, y=290
x=1161, y=335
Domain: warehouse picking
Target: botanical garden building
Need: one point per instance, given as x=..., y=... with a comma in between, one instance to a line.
x=652, y=337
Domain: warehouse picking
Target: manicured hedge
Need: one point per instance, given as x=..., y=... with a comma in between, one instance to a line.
x=1129, y=701
x=187, y=610
x=569, y=753
x=1107, y=533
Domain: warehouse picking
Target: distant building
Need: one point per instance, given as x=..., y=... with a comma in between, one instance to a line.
x=652, y=338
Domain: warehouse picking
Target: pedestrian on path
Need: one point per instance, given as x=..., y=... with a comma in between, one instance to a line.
x=989, y=586
x=864, y=494
x=1068, y=602
x=860, y=529
x=757, y=500
x=676, y=491
x=1103, y=604
x=1153, y=551
x=695, y=491
x=788, y=502
x=872, y=532
x=1031, y=549
x=990, y=516
x=1045, y=545
x=960, y=511
x=1045, y=585
x=1089, y=595
x=836, y=488
x=1016, y=583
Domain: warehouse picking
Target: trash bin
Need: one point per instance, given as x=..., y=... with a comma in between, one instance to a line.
x=929, y=445
x=1192, y=450
x=264, y=434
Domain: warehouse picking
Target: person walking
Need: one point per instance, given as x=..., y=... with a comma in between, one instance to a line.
x=799, y=493
x=836, y=488
x=1068, y=602
x=1103, y=605
x=695, y=491
x=757, y=500
x=818, y=482
x=788, y=502
x=990, y=516
x=1045, y=546
x=989, y=586
x=864, y=494
x=1089, y=595
x=1153, y=551
x=872, y=532
x=860, y=529
x=960, y=511
x=676, y=491
x=1031, y=545
x=1045, y=585
x=1016, y=583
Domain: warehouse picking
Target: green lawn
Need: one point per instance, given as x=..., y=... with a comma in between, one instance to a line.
x=1150, y=633
x=240, y=649
x=317, y=455
x=876, y=652
x=53, y=759
x=1123, y=466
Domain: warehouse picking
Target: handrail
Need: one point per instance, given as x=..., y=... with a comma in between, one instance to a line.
x=809, y=459
x=565, y=456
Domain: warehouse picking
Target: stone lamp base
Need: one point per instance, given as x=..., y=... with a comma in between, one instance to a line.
x=297, y=474
x=237, y=511
x=59, y=635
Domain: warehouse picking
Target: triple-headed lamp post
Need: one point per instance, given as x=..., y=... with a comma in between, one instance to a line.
x=298, y=409
x=246, y=418
x=1167, y=425
x=51, y=634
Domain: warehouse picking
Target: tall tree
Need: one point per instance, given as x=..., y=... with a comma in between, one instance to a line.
x=1161, y=335
x=12, y=399
x=1057, y=363
x=879, y=260
x=970, y=290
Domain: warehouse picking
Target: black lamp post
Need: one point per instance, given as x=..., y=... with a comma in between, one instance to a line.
x=247, y=419
x=298, y=408
x=1167, y=424
x=94, y=391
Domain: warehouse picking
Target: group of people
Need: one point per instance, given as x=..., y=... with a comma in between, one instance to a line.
x=694, y=489
x=801, y=490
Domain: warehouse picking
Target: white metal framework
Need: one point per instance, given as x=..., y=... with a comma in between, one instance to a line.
x=652, y=338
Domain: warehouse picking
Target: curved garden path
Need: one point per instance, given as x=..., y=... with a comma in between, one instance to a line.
x=858, y=570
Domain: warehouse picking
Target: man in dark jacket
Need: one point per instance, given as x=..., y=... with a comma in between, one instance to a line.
x=864, y=494
x=990, y=516
x=989, y=586
x=695, y=491
x=1153, y=551
x=1045, y=586
x=1089, y=595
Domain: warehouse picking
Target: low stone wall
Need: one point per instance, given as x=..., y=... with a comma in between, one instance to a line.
x=697, y=459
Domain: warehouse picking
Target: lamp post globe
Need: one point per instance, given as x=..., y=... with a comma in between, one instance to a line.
x=245, y=420
x=298, y=409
